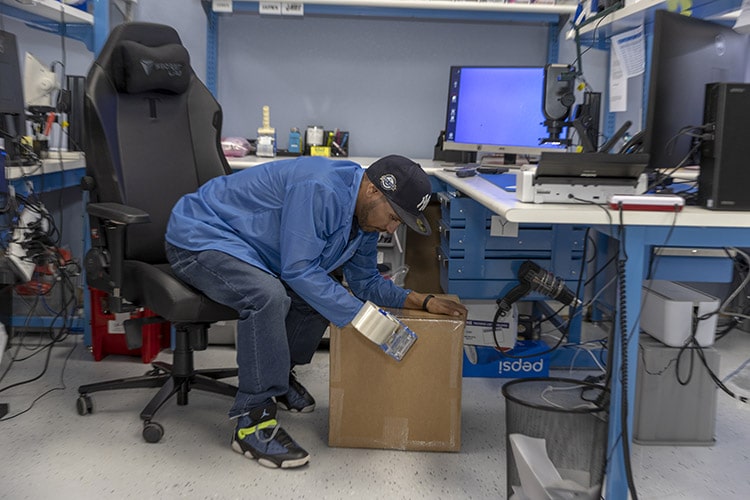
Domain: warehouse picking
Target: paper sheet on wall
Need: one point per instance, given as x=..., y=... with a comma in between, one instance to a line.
x=626, y=60
x=618, y=86
x=629, y=48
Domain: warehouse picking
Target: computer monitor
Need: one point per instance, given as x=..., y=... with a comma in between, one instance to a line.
x=497, y=110
x=12, y=113
x=687, y=54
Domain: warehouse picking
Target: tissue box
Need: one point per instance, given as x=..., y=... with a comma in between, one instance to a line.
x=414, y=404
x=479, y=325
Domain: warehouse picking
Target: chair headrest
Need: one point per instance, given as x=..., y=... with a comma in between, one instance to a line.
x=139, y=68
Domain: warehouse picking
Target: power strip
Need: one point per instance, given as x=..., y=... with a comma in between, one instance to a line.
x=647, y=202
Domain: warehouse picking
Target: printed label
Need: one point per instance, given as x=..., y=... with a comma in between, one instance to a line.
x=521, y=366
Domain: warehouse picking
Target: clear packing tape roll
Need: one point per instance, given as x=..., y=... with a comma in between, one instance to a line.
x=385, y=330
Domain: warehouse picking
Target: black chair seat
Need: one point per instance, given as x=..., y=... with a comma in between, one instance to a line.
x=170, y=298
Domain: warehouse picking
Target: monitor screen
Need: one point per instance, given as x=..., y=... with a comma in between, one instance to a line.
x=687, y=54
x=496, y=109
x=12, y=113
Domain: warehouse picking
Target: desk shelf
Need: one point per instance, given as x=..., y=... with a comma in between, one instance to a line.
x=56, y=17
x=54, y=181
x=641, y=12
x=43, y=11
x=54, y=173
x=425, y=9
x=552, y=15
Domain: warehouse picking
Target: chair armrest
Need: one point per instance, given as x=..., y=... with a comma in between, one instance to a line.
x=118, y=213
x=104, y=266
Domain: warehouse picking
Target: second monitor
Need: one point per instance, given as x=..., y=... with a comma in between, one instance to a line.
x=496, y=110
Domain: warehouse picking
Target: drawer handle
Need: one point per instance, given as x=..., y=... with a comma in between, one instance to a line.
x=441, y=259
x=444, y=199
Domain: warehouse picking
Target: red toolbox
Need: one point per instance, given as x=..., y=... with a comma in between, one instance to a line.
x=108, y=332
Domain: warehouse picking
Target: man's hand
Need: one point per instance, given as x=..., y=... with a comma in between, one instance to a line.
x=434, y=304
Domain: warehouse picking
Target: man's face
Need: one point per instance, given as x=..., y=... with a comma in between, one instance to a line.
x=376, y=214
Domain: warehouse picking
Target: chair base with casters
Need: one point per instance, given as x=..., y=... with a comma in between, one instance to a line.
x=175, y=379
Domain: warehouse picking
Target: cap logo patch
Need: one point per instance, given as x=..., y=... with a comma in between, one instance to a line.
x=388, y=182
x=423, y=204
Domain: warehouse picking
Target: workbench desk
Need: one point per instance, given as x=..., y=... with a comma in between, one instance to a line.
x=692, y=227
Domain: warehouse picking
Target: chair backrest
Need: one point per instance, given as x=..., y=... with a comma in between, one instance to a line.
x=153, y=130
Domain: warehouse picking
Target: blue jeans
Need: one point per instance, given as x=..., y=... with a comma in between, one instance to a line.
x=276, y=329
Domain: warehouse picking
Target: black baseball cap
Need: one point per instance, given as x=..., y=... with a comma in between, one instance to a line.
x=406, y=187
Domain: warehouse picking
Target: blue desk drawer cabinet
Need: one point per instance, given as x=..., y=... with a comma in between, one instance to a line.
x=492, y=278
x=531, y=238
x=476, y=265
x=455, y=209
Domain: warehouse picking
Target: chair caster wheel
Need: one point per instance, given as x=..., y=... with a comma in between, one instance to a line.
x=152, y=432
x=83, y=405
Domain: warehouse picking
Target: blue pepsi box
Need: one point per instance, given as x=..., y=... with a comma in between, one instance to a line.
x=528, y=359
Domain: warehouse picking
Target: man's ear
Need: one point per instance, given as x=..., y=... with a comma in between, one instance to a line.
x=372, y=191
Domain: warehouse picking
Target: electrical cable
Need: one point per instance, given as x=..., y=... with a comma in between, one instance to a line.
x=543, y=281
x=696, y=349
x=660, y=177
x=41, y=244
x=593, y=257
x=634, y=144
x=742, y=286
x=42, y=249
x=578, y=61
x=625, y=339
x=625, y=442
x=62, y=387
x=581, y=348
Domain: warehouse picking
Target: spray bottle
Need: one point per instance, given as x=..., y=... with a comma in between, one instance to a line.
x=266, y=144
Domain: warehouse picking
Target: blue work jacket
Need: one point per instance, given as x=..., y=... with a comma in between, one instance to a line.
x=293, y=219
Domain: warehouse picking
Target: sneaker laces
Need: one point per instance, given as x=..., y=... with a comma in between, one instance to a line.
x=270, y=438
x=278, y=432
x=244, y=432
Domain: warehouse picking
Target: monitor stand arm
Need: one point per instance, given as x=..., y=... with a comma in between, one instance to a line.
x=586, y=144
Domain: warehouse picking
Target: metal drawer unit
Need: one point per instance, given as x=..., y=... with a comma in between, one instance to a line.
x=475, y=265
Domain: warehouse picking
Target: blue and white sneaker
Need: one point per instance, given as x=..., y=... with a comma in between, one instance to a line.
x=297, y=398
x=258, y=435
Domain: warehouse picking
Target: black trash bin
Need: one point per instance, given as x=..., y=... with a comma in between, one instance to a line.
x=570, y=415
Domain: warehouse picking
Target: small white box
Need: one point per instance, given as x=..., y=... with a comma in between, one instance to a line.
x=668, y=309
x=478, y=329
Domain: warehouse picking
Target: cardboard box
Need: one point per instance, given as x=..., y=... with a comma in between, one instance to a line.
x=530, y=360
x=415, y=404
x=479, y=325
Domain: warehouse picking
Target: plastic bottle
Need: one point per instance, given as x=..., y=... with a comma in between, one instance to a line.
x=294, y=141
x=266, y=144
